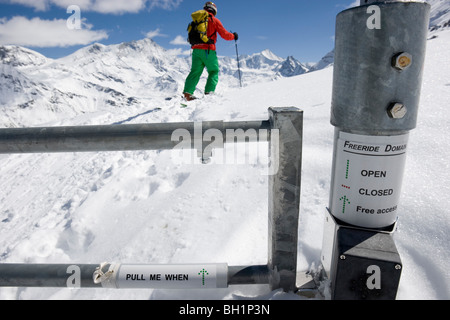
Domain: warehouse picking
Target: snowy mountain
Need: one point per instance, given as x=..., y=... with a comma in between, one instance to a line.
x=262, y=67
x=32, y=83
x=439, y=15
x=325, y=62
x=292, y=67
x=100, y=77
x=20, y=57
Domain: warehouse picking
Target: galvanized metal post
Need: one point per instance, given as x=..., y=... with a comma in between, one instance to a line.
x=379, y=59
x=284, y=196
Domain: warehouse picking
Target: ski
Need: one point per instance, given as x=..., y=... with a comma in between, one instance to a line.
x=183, y=101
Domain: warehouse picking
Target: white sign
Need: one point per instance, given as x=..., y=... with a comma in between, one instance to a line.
x=368, y=176
x=201, y=276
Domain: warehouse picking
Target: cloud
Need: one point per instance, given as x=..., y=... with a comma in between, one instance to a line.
x=117, y=6
x=46, y=33
x=179, y=52
x=101, y=6
x=355, y=3
x=155, y=33
x=179, y=41
x=164, y=4
x=44, y=5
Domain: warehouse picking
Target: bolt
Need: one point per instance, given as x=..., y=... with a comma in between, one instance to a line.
x=402, y=61
x=342, y=257
x=397, y=110
x=398, y=267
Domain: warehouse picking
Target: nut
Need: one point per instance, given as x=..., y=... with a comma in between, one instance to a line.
x=402, y=61
x=397, y=110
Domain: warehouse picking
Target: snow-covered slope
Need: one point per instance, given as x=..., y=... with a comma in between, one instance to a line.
x=325, y=62
x=440, y=14
x=20, y=57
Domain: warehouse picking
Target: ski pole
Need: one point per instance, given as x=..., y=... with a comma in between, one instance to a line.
x=239, y=67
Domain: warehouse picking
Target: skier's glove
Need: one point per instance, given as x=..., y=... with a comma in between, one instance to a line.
x=236, y=37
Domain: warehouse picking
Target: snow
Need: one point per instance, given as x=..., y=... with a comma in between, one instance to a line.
x=144, y=207
x=440, y=12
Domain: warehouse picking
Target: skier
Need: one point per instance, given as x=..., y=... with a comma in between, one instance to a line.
x=204, y=55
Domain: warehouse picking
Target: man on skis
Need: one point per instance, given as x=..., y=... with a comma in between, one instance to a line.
x=204, y=55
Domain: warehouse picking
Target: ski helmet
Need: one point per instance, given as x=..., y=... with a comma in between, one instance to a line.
x=210, y=7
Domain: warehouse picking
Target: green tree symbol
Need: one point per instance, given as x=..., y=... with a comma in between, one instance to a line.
x=345, y=201
x=203, y=272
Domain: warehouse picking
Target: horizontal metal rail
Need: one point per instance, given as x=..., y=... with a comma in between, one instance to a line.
x=152, y=136
x=85, y=275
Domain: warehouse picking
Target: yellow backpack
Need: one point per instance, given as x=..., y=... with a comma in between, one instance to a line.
x=198, y=28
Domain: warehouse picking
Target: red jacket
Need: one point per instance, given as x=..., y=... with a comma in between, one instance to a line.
x=214, y=27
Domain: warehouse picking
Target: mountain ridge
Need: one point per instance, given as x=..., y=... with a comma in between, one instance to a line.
x=97, y=77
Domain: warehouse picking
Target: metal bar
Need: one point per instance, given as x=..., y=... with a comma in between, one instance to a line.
x=82, y=275
x=248, y=275
x=114, y=137
x=284, y=196
x=48, y=275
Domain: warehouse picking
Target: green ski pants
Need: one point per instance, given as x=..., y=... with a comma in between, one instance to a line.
x=200, y=60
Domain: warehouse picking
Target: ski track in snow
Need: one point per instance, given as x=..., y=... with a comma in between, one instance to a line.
x=142, y=207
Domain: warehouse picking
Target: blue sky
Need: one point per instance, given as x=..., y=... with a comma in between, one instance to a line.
x=300, y=28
